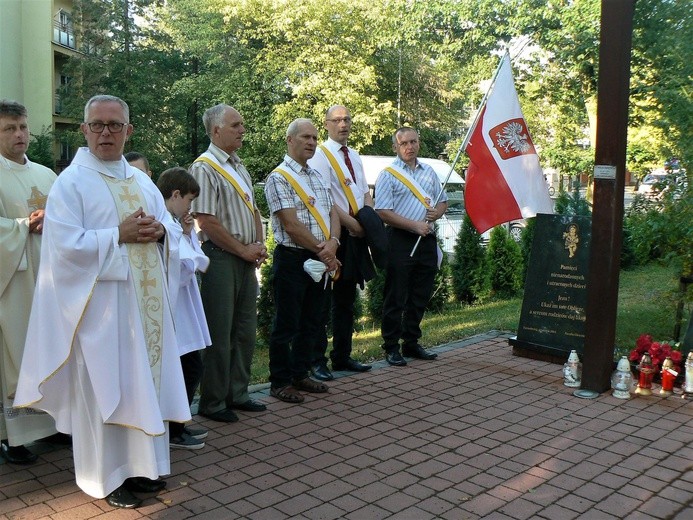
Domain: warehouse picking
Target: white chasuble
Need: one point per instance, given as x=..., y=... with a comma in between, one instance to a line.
x=87, y=355
x=23, y=189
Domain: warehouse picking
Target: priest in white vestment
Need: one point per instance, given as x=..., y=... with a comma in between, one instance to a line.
x=23, y=189
x=101, y=352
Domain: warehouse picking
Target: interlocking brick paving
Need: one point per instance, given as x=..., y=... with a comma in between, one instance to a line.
x=478, y=433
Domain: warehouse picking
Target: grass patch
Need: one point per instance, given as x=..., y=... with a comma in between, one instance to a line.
x=646, y=304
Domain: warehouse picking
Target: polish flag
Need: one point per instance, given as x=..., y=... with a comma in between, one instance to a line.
x=504, y=179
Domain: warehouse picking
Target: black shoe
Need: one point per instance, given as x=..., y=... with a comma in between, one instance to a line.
x=186, y=442
x=122, y=498
x=16, y=454
x=196, y=433
x=395, y=359
x=249, y=406
x=350, y=365
x=321, y=372
x=418, y=352
x=224, y=415
x=143, y=484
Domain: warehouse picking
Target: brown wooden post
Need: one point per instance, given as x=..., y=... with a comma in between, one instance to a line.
x=609, y=178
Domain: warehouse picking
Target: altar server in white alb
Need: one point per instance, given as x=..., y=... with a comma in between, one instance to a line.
x=101, y=354
x=179, y=189
x=23, y=189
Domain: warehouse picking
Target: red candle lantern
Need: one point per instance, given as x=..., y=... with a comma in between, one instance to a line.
x=646, y=374
x=668, y=377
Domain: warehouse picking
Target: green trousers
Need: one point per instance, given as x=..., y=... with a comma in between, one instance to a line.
x=229, y=295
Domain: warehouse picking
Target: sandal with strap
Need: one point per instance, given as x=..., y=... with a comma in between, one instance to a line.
x=310, y=385
x=288, y=394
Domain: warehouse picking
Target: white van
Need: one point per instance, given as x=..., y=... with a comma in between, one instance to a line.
x=374, y=164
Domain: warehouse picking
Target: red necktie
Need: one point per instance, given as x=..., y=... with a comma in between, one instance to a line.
x=345, y=151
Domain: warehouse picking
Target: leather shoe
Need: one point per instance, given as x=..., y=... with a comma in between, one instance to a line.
x=249, y=406
x=321, y=372
x=16, y=454
x=395, y=359
x=224, y=415
x=351, y=365
x=143, y=485
x=122, y=498
x=418, y=352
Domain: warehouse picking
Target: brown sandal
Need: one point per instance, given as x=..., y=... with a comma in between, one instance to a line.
x=310, y=385
x=288, y=394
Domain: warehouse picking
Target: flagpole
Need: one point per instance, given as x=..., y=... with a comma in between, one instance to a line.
x=466, y=139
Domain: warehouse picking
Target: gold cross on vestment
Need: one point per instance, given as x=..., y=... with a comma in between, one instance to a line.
x=37, y=199
x=146, y=282
x=131, y=198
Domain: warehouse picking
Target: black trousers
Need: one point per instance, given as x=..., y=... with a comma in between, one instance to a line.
x=191, y=363
x=408, y=287
x=342, y=307
x=299, y=319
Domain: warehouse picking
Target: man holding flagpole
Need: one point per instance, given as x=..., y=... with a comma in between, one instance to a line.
x=231, y=231
x=404, y=192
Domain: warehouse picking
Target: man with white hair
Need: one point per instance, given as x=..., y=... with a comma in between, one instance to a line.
x=232, y=238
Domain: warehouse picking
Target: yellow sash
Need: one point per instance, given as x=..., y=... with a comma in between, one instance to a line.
x=414, y=187
x=342, y=179
x=241, y=192
x=147, y=273
x=306, y=199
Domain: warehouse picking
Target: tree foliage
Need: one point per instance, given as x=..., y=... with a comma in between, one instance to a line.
x=468, y=270
x=393, y=63
x=504, y=263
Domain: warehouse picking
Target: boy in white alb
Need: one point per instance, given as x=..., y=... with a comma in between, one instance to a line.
x=179, y=189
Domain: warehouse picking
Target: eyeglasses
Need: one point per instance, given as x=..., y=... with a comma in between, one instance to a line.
x=340, y=120
x=114, y=128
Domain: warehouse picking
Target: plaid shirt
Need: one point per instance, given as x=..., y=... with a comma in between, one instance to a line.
x=281, y=195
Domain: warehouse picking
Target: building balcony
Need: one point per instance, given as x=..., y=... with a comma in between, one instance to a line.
x=64, y=35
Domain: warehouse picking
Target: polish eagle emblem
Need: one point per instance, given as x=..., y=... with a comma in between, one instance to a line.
x=511, y=138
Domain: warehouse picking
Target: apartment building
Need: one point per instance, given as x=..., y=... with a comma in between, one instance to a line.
x=36, y=39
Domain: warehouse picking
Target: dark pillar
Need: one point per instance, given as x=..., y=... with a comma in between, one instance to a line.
x=607, y=216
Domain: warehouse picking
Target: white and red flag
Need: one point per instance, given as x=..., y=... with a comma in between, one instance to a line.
x=504, y=179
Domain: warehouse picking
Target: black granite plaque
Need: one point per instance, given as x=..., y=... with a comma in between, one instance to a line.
x=552, y=321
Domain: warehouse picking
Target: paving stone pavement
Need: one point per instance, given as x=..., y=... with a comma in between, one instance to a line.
x=478, y=433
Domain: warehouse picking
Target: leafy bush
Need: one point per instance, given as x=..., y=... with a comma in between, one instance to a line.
x=504, y=263
x=265, y=302
x=526, y=240
x=441, y=284
x=468, y=269
x=661, y=227
x=572, y=204
x=374, y=296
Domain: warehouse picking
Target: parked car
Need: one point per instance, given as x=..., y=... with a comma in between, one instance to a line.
x=652, y=183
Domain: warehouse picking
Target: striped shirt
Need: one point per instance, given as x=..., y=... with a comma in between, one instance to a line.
x=281, y=195
x=219, y=198
x=392, y=194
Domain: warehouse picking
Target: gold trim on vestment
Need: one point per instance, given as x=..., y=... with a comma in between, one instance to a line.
x=147, y=273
